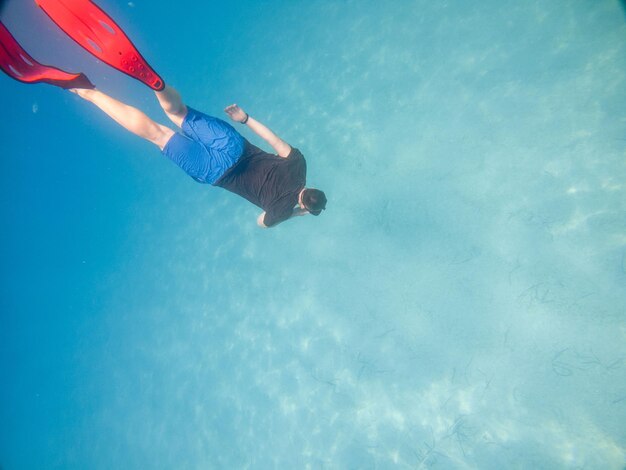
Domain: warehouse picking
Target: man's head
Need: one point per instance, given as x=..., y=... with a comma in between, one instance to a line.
x=313, y=200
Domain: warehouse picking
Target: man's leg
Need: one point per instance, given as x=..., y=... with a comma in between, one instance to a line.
x=128, y=117
x=172, y=104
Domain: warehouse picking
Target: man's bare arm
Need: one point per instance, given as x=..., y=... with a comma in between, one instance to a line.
x=261, y=220
x=237, y=114
x=296, y=212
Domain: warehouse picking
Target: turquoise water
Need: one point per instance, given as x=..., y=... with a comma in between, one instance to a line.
x=461, y=303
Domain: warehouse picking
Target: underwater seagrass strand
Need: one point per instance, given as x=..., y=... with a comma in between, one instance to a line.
x=461, y=305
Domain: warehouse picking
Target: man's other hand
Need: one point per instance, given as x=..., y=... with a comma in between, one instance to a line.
x=236, y=113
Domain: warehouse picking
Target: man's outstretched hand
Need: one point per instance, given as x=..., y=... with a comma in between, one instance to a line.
x=236, y=113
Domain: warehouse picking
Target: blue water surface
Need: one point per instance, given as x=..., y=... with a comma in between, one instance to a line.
x=459, y=305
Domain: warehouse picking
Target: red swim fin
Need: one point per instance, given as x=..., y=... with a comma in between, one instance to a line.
x=18, y=64
x=88, y=25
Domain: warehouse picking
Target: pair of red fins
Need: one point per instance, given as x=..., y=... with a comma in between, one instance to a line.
x=93, y=29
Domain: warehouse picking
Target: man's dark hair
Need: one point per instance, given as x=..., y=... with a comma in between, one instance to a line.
x=314, y=201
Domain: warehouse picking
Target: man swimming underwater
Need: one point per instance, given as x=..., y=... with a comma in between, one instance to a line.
x=208, y=149
x=212, y=151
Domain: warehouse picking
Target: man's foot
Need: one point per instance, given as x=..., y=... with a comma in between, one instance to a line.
x=82, y=92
